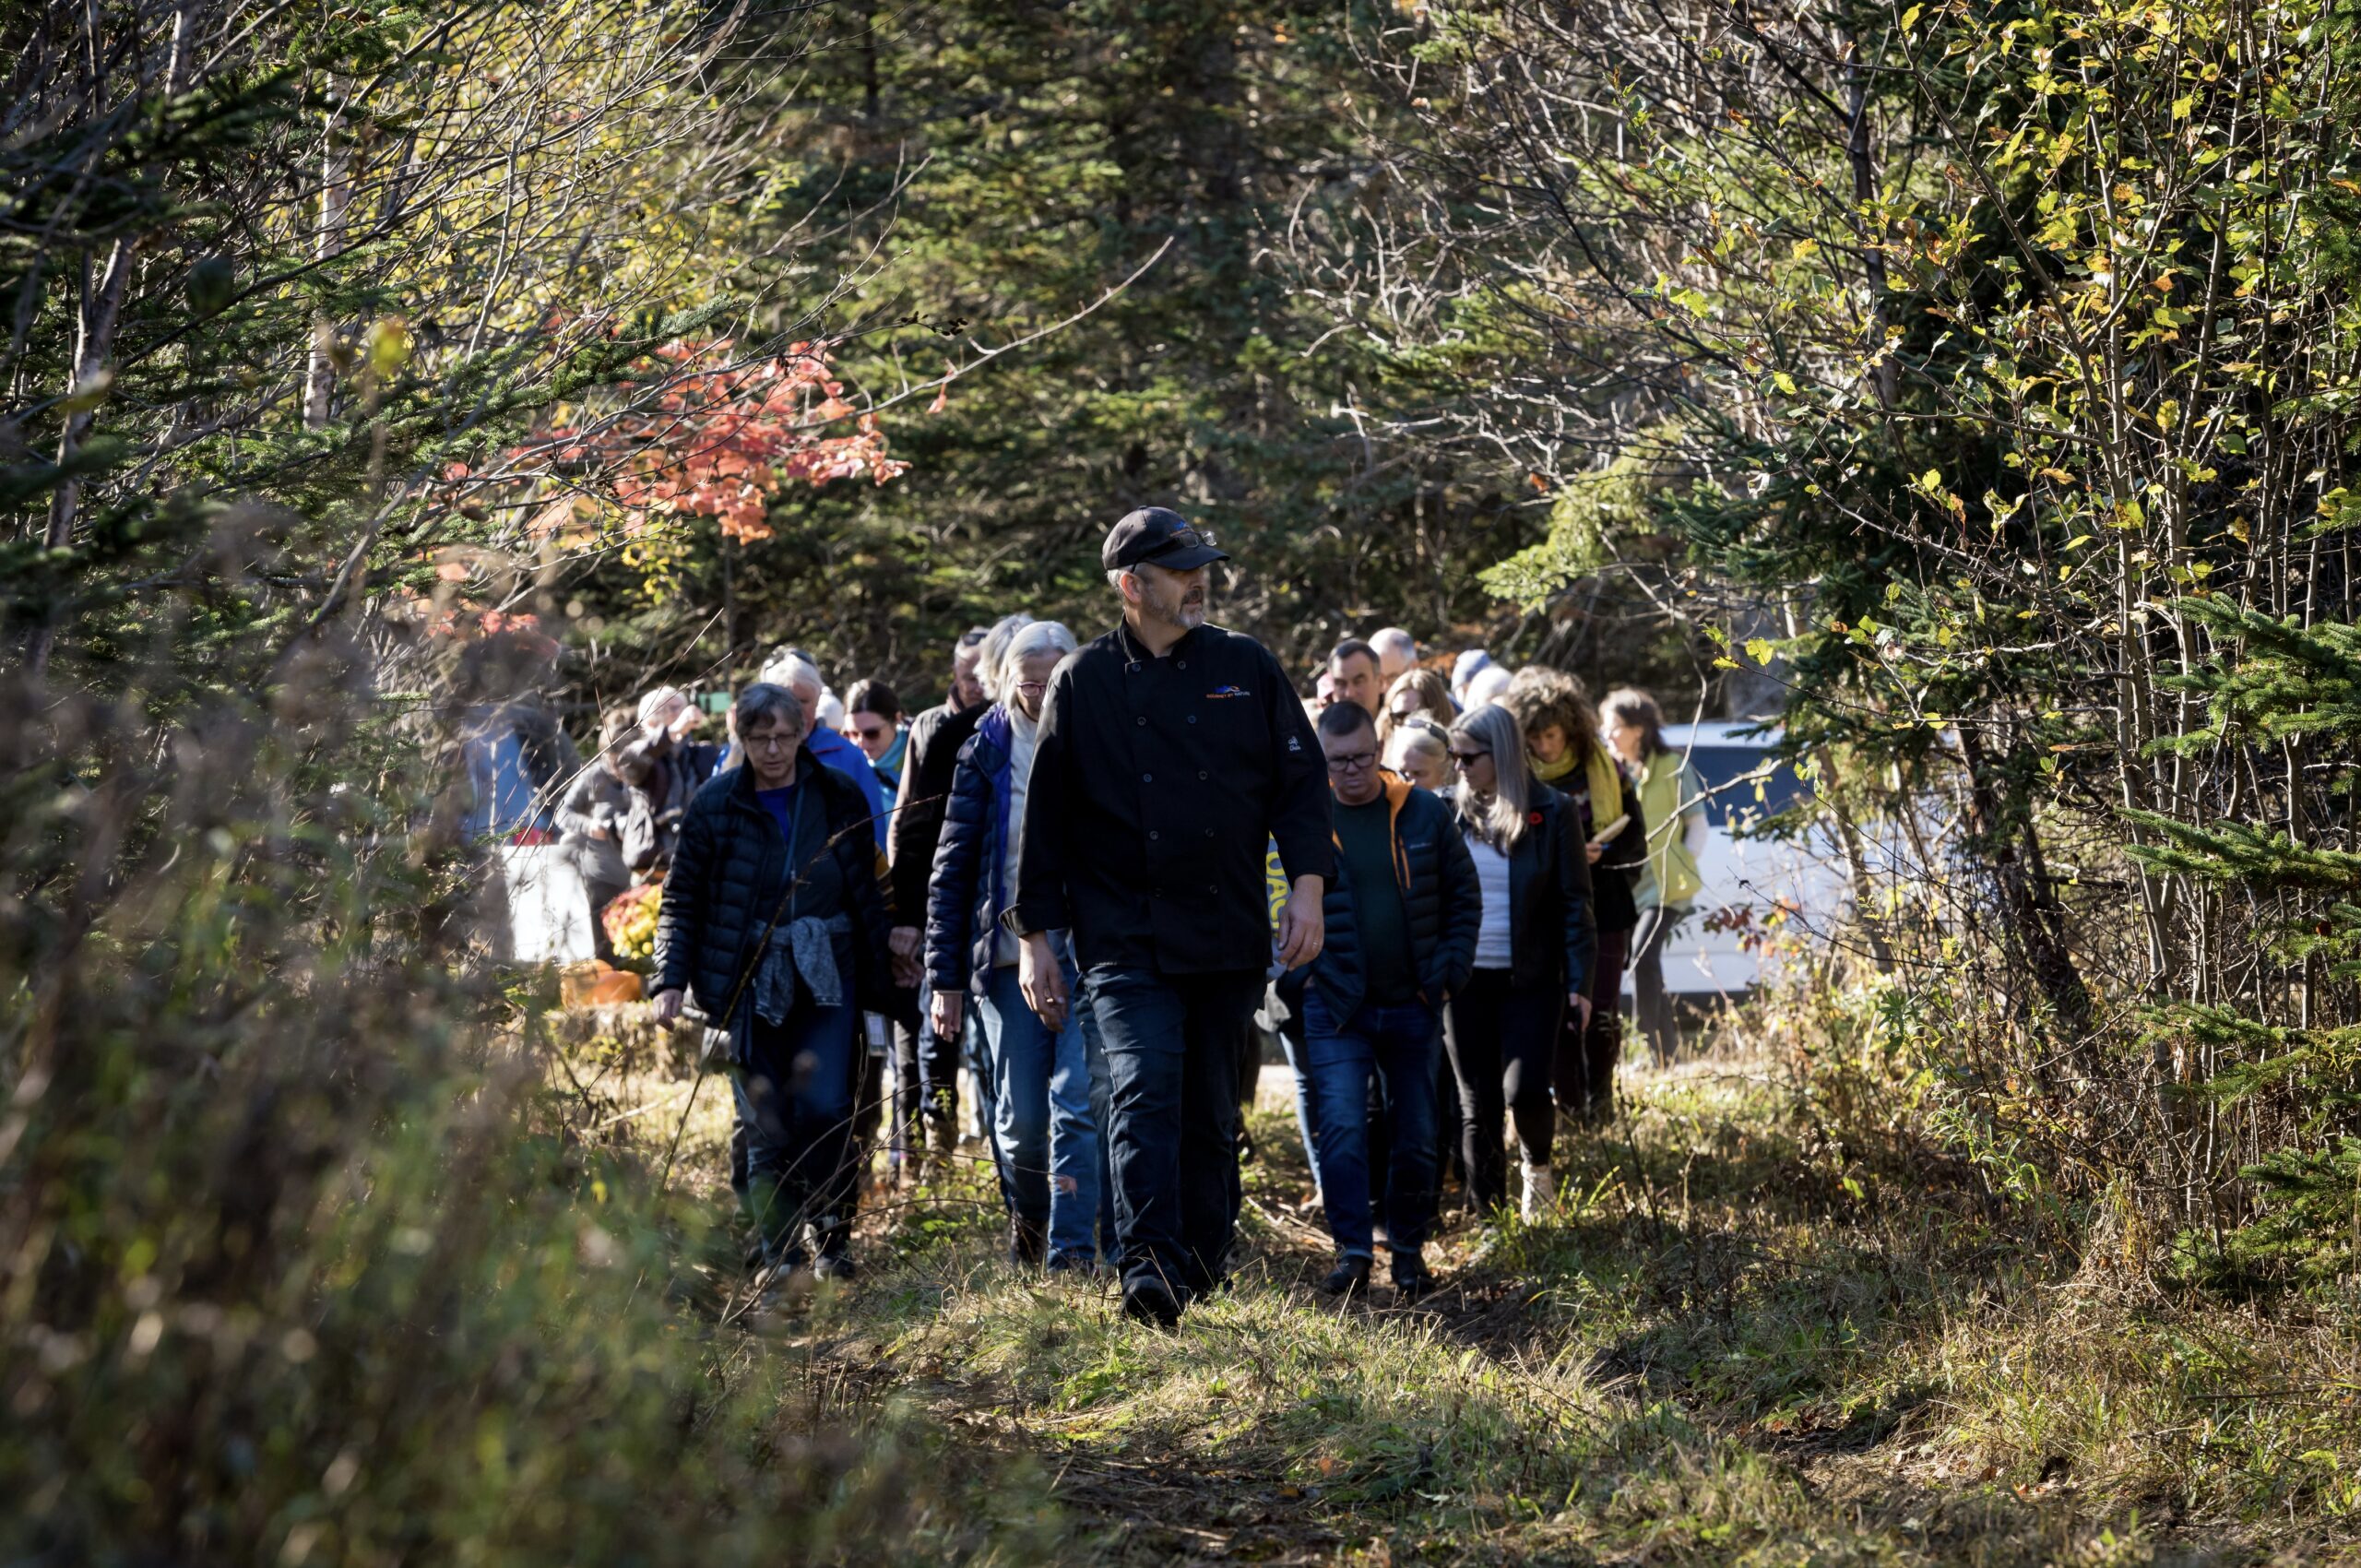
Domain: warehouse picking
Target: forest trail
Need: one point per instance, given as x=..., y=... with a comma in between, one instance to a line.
x=1730, y=1347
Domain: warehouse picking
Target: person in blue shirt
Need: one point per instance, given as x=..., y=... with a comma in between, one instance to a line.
x=831, y=750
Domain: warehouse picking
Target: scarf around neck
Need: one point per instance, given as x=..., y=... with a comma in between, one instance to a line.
x=1599, y=775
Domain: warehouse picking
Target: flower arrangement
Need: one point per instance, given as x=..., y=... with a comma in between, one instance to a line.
x=631, y=921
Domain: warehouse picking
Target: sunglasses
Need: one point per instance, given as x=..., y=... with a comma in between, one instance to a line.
x=1352, y=764
x=1467, y=759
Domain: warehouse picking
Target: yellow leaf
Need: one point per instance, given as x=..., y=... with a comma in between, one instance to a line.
x=389, y=346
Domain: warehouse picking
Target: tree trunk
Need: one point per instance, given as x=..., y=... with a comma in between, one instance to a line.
x=2011, y=849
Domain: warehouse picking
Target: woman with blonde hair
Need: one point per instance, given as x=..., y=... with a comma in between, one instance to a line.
x=1533, y=955
x=1416, y=694
x=1419, y=751
x=1563, y=740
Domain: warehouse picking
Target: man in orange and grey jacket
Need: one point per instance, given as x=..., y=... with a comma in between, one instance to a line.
x=1402, y=918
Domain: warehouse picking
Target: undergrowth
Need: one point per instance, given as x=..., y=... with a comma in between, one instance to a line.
x=1747, y=1336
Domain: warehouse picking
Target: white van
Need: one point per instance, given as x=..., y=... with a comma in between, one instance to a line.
x=1754, y=887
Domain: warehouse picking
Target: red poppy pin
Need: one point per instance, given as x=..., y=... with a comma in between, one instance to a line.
x=1533, y=819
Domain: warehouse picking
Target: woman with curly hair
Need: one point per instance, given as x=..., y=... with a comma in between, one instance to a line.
x=1563, y=744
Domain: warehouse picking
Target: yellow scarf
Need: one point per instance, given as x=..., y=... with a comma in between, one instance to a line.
x=1598, y=772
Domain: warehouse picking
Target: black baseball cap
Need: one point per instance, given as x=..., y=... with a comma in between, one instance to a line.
x=1158, y=537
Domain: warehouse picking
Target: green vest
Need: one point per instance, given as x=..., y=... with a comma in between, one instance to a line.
x=1669, y=788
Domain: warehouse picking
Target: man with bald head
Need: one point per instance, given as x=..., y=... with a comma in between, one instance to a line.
x=1396, y=651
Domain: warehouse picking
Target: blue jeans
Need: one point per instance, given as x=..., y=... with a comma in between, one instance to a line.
x=1291, y=1042
x=1171, y=1043
x=1400, y=1046
x=1050, y=1096
x=795, y=1099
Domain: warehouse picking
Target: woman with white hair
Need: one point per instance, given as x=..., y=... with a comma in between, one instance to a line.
x=1048, y=1088
x=663, y=769
x=995, y=650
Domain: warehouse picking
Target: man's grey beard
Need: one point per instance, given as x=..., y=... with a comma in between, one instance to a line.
x=1178, y=612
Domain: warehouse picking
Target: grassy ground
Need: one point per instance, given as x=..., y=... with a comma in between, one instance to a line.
x=1733, y=1343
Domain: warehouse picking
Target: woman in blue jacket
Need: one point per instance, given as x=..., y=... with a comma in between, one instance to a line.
x=1048, y=1090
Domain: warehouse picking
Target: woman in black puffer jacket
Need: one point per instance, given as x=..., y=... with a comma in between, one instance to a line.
x=774, y=915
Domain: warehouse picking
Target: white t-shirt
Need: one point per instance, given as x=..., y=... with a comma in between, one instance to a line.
x=1493, y=950
x=1022, y=734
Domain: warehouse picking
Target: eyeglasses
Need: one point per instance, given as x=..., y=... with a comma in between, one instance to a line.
x=1352, y=763
x=1467, y=759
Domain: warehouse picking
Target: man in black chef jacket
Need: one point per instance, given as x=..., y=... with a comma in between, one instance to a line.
x=1171, y=754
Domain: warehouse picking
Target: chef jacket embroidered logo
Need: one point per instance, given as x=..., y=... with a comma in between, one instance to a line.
x=1220, y=692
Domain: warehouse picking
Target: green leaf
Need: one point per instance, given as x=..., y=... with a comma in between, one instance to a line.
x=1760, y=650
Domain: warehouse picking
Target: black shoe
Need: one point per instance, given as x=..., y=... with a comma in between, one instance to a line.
x=1081, y=1264
x=1152, y=1304
x=1029, y=1242
x=1350, y=1277
x=1413, y=1283
x=835, y=1266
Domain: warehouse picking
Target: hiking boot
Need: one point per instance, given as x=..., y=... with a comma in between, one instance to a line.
x=1540, y=1199
x=1412, y=1282
x=786, y=1281
x=1029, y=1242
x=1151, y=1304
x=1349, y=1278
x=833, y=1246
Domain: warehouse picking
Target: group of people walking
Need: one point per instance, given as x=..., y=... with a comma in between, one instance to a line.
x=1064, y=877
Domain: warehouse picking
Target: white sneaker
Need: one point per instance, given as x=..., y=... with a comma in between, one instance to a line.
x=1540, y=1194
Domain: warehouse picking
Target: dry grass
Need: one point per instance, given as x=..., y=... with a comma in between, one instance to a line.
x=1731, y=1346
